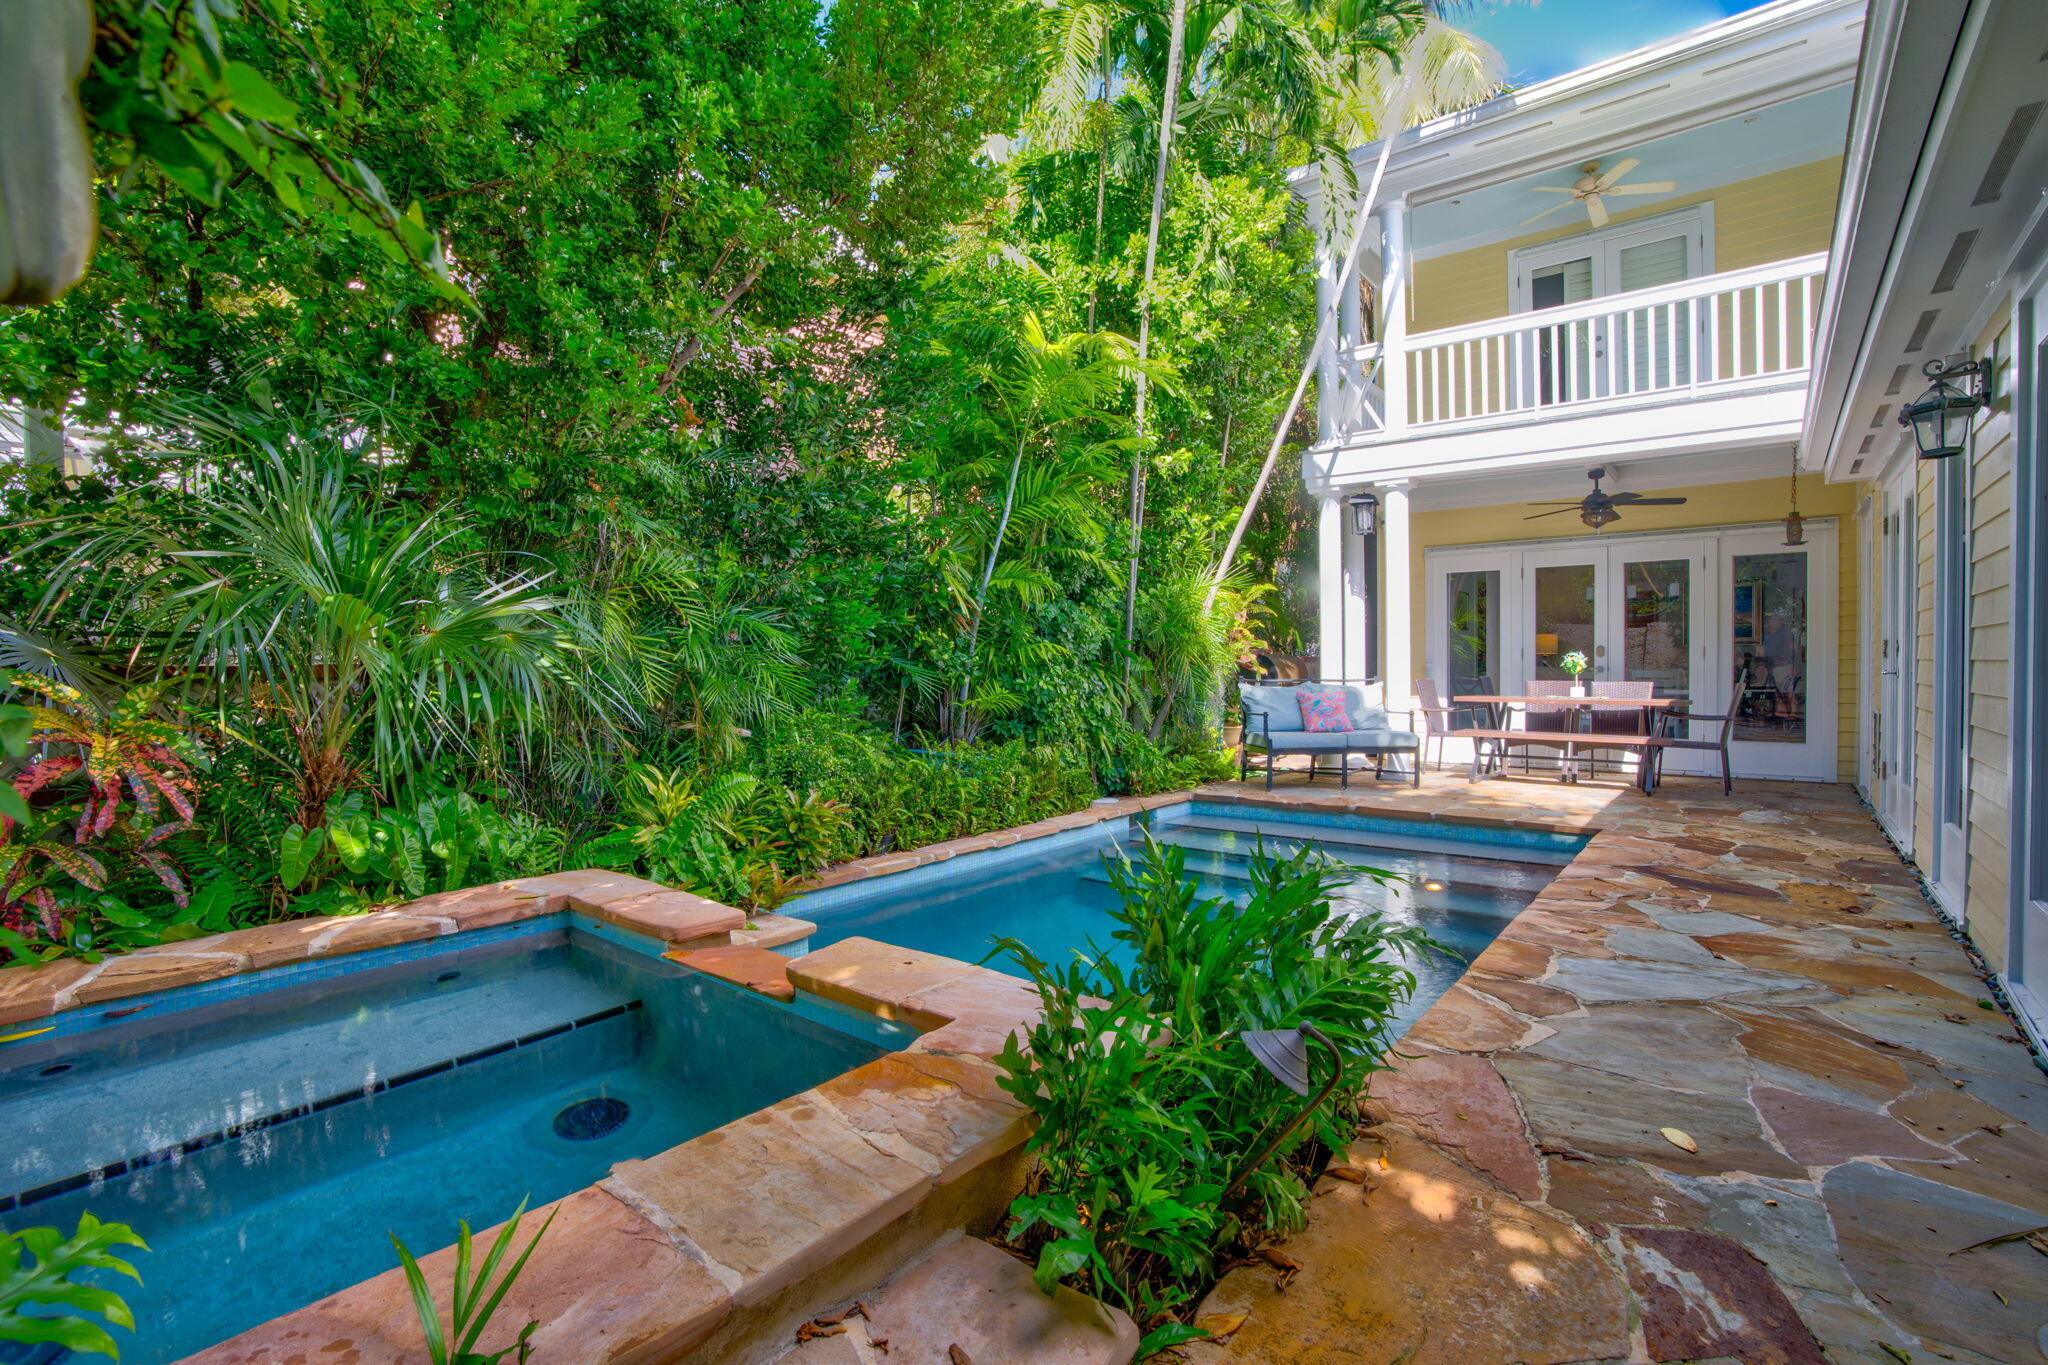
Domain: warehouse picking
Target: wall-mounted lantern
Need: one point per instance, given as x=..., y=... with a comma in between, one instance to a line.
x=1941, y=417
x=1365, y=513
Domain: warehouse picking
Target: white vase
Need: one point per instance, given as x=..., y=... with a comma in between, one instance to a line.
x=1578, y=689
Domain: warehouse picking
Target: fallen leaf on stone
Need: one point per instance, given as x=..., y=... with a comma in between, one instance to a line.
x=1680, y=1139
x=2037, y=1238
x=1219, y=1326
x=958, y=1356
x=1356, y=1175
x=1895, y=1353
x=880, y=1344
x=811, y=1330
x=1282, y=1262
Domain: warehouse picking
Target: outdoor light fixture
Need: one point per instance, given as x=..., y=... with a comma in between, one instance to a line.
x=1284, y=1054
x=1365, y=513
x=1795, y=525
x=1940, y=417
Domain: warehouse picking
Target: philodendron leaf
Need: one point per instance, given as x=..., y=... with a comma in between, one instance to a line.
x=43, y=1280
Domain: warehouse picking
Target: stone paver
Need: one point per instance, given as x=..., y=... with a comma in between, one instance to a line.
x=967, y=1300
x=1758, y=973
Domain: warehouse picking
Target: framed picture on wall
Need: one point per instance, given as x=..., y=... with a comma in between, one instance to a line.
x=1749, y=613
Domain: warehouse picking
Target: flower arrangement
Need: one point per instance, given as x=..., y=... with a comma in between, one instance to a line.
x=1575, y=663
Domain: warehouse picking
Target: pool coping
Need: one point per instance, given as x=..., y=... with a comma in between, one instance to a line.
x=743, y=1232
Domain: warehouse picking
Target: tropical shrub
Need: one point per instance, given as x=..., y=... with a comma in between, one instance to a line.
x=1147, y=1103
x=38, y=1267
x=473, y=1299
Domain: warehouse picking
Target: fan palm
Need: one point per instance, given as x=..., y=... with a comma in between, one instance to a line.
x=305, y=599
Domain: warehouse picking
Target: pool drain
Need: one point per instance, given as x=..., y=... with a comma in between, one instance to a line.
x=447, y=976
x=589, y=1120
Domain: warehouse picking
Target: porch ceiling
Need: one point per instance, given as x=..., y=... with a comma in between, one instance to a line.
x=1568, y=479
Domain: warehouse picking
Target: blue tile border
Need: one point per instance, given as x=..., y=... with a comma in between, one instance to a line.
x=817, y=904
x=1480, y=836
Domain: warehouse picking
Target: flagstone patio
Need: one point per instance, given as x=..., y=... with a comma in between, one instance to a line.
x=1727, y=1091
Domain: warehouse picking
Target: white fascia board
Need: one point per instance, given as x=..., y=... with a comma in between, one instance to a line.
x=1775, y=52
x=1898, y=89
x=1737, y=421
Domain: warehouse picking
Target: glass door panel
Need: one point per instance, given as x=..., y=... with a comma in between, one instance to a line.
x=1472, y=626
x=1768, y=638
x=1564, y=616
x=1564, y=354
x=1656, y=624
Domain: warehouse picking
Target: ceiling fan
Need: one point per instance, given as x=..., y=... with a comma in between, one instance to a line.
x=1596, y=509
x=1592, y=187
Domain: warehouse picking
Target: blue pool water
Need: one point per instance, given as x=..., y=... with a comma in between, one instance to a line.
x=1460, y=884
x=264, y=1145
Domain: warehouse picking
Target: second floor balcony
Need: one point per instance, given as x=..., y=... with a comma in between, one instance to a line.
x=1714, y=360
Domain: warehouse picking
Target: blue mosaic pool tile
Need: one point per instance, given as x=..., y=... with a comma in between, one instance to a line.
x=1479, y=836
x=945, y=873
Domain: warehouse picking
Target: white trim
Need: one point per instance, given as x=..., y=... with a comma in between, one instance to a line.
x=1950, y=781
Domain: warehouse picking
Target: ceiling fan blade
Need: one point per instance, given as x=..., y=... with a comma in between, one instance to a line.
x=1643, y=187
x=1596, y=210
x=1638, y=500
x=1621, y=168
x=1554, y=189
x=1561, y=204
x=1552, y=514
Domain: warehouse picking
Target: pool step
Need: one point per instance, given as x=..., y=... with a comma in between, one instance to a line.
x=1337, y=836
x=1473, y=874
x=116, y=1111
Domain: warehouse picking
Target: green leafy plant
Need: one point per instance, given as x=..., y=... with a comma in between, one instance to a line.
x=473, y=1299
x=1145, y=1101
x=37, y=1269
x=1575, y=663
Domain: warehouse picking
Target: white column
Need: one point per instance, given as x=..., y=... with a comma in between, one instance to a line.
x=1397, y=596
x=1332, y=589
x=1329, y=399
x=1393, y=312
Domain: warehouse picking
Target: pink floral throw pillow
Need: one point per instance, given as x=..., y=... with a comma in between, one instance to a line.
x=1323, y=712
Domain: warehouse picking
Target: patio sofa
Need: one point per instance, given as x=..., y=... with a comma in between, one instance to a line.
x=1272, y=727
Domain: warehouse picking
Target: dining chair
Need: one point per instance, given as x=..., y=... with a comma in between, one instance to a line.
x=1439, y=721
x=1550, y=719
x=1617, y=720
x=1675, y=731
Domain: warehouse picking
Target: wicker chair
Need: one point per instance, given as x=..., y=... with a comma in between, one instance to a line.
x=1617, y=720
x=1550, y=718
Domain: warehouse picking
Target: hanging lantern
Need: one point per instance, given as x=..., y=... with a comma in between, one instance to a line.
x=1795, y=525
x=1365, y=513
x=1940, y=417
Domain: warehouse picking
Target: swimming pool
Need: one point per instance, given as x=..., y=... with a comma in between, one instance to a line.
x=1461, y=883
x=264, y=1133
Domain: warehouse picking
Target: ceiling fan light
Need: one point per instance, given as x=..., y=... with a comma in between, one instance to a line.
x=1597, y=517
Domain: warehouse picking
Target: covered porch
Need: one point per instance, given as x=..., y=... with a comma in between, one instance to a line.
x=1485, y=584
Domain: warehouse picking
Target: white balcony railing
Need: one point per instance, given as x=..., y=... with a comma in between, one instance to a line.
x=1712, y=334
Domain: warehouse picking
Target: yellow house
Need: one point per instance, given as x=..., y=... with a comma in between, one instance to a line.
x=1612, y=329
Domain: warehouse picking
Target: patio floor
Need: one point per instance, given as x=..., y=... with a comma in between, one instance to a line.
x=1727, y=1091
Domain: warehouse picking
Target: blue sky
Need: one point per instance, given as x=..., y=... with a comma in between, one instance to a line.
x=1543, y=38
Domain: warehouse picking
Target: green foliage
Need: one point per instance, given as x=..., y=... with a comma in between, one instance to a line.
x=37, y=1266
x=167, y=88
x=1147, y=1104
x=473, y=1299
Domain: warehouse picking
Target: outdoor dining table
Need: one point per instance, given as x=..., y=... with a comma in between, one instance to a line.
x=1498, y=733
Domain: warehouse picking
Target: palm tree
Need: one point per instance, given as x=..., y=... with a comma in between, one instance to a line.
x=1054, y=396
x=302, y=597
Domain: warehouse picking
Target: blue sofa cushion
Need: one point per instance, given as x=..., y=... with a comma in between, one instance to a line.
x=1276, y=702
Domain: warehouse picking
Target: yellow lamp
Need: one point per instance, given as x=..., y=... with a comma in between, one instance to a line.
x=1546, y=644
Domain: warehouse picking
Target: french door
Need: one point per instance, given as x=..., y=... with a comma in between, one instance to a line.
x=1568, y=362
x=1729, y=622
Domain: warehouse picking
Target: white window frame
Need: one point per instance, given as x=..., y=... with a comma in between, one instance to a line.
x=1604, y=246
x=1950, y=792
x=2027, y=969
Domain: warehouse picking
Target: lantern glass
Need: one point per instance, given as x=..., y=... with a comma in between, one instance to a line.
x=1940, y=417
x=1795, y=529
x=1365, y=513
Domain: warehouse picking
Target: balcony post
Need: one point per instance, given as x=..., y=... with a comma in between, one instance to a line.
x=1397, y=596
x=1393, y=313
x=1329, y=396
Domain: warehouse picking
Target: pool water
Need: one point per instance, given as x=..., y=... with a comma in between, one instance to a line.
x=1458, y=885
x=265, y=1145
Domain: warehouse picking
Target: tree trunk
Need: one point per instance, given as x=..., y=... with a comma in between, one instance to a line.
x=1101, y=186
x=1169, y=109
x=988, y=571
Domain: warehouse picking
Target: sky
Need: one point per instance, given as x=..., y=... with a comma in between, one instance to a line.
x=1544, y=38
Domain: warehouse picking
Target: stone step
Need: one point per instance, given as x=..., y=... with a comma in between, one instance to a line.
x=969, y=1301
x=784, y=933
